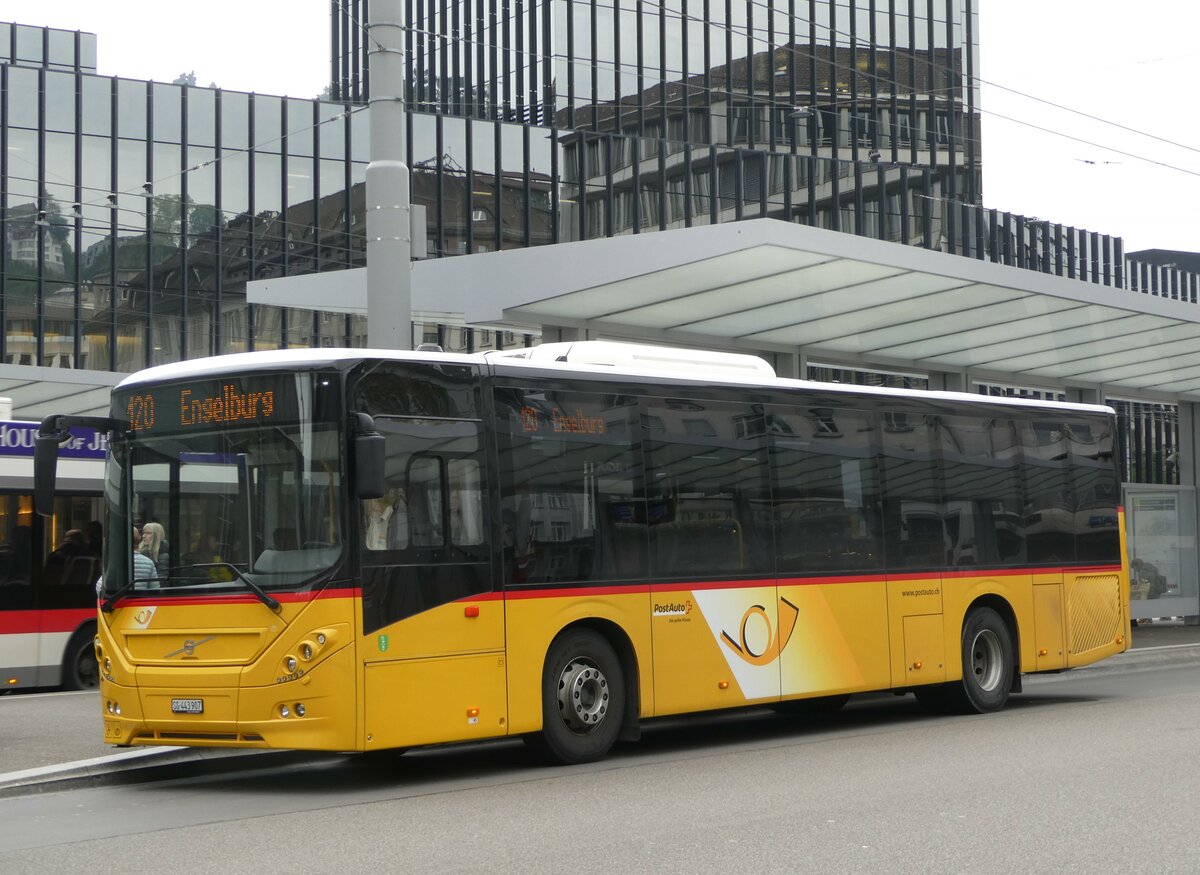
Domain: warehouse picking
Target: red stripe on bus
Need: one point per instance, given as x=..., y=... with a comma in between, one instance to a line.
x=701, y=586
x=27, y=622
x=573, y=591
x=833, y=579
x=149, y=598
x=629, y=589
x=482, y=597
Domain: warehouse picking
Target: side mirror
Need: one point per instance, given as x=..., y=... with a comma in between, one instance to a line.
x=54, y=430
x=369, y=454
x=46, y=462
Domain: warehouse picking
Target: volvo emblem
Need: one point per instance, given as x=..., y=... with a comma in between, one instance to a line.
x=189, y=647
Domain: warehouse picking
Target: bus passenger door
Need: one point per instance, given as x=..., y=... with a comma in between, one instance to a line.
x=433, y=626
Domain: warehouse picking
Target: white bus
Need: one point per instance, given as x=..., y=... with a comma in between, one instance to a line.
x=49, y=565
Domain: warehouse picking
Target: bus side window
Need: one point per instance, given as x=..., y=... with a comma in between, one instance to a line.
x=425, y=484
x=433, y=490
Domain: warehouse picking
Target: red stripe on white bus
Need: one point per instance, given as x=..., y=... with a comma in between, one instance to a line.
x=25, y=622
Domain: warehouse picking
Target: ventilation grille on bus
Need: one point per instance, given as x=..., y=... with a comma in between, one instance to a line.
x=1094, y=603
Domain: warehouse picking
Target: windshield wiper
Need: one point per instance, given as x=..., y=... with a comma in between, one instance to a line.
x=262, y=594
x=110, y=602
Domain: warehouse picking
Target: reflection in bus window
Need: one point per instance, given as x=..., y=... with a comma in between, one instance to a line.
x=434, y=493
x=980, y=461
x=708, y=491
x=1049, y=499
x=827, y=501
x=571, y=509
x=913, y=525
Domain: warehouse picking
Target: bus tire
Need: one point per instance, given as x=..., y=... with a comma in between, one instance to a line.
x=80, y=671
x=987, y=664
x=583, y=698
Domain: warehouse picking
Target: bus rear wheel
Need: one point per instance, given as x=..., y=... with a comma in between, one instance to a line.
x=583, y=698
x=80, y=670
x=987, y=663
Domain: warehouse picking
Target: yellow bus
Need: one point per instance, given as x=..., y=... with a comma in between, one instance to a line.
x=373, y=550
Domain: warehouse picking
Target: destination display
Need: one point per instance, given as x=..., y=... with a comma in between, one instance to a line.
x=219, y=404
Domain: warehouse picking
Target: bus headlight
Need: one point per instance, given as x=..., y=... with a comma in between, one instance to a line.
x=285, y=711
x=290, y=664
x=306, y=651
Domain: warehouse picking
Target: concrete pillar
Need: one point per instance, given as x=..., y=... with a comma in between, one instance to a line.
x=1187, y=458
x=1189, y=444
x=564, y=334
x=791, y=365
x=1085, y=394
x=949, y=381
x=389, y=240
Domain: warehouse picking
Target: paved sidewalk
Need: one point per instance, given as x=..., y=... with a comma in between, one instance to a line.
x=1164, y=633
x=43, y=731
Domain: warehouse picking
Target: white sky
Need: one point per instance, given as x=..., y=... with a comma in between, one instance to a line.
x=1133, y=64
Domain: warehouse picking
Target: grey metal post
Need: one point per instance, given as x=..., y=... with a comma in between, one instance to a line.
x=389, y=247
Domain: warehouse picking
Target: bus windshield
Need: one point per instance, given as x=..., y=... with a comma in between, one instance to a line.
x=226, y=498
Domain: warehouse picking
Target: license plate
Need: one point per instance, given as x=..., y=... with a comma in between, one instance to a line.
x=187, y=706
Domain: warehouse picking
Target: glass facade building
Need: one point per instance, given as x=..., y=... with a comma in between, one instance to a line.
x=134, y=213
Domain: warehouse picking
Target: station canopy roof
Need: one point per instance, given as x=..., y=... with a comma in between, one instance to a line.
x=766, y=286
x=36, y=392
x=776, y=286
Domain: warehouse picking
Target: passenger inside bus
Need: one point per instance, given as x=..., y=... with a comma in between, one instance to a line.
x=154, y=544
x=70, y=562
x=145, y=575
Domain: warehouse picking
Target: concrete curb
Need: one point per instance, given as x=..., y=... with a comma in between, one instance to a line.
x=130, y=766
x=1141, y=659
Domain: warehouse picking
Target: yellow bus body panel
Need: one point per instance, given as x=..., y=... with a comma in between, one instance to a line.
x=472, y=669
x=534, y=619
x=439, y=675
x=232, y=657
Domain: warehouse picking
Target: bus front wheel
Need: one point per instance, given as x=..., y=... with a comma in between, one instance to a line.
x=583, y=698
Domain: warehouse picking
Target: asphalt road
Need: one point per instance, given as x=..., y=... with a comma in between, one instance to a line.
x=1084, y=772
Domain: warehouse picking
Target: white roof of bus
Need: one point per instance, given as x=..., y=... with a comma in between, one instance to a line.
x=632, y=362
x=225, y=365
